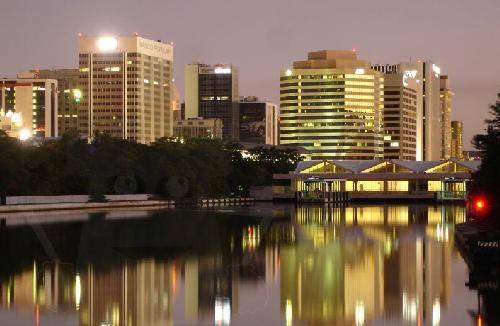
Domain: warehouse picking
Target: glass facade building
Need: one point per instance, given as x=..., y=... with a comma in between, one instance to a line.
x=212, y=92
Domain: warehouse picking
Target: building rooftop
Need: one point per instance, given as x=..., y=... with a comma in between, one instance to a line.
x=330, y=59
x=362, y=166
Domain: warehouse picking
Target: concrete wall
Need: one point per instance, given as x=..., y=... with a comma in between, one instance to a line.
x=18, y=200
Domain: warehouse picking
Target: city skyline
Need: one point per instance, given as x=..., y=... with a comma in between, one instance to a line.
x=237, y=39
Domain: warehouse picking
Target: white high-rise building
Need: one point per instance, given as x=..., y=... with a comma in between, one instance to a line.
x=422, y=80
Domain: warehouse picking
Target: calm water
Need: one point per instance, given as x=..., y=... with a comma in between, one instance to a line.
x=260, y=265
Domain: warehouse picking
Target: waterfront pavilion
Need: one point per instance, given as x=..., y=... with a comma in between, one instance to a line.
x=340, y=180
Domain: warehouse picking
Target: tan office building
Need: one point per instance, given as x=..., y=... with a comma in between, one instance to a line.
x=198, y=128
x=445, y=100
x=331, y=104
x=126, y=85
x=68, y=96
x=457, y=144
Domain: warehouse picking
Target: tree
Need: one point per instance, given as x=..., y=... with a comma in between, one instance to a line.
x=487, y=179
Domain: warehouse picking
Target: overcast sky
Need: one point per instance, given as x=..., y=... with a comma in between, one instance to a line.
x=263, y=36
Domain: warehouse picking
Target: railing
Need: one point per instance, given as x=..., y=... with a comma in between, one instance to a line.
x=451, y=195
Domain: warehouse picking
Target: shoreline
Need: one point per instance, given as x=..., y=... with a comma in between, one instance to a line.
x=33, y=208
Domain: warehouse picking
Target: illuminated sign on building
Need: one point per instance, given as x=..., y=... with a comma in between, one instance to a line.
x=409, y=74
x=222, y=70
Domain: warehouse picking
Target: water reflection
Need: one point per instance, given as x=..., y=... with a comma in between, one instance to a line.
x=320, y=265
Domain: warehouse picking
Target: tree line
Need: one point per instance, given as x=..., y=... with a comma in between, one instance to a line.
x=487, y=179
x=169, y=167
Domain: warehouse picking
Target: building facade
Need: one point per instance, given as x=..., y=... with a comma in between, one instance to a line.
x=68, y=96
x=457, y=144
x=341, y=180
x=34, y=102
x=331, y=104
x=211, y=91
x=11, y=124
x=126, y=85
x=402, y=97
x=259, y=121
x=198, y=128
x=424, y=78
x=445, y=96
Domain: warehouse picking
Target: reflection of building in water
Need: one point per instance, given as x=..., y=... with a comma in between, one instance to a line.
x=334, y=283
x=135, y=293
x=211, y=288
x=47, y=286
x=352, y=265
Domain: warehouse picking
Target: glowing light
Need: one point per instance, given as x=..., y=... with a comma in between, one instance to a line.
x=78, y=291
x=436, y=313
x=288, y=72
x=360, y=313
x=288, y=312
x=77, y=94
x=359, y=71
x=480, y=204
x=107, y=43
x=24, y=134
x=222, y=311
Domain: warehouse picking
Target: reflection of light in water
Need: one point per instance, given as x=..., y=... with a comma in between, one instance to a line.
x=116, y=313
x=410, y=307
x=442, y=233
x=436, y=312
x=222, y=311
x=34, y=281
x=288, y=312
x=360, y=313
x=78, y=291
x=251, y=237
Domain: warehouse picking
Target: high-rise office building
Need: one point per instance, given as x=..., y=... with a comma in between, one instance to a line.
x=259, y=121
x=401, y=102
x=426, y=75
x=126, y=85
x=457, y=144
x=68, y=96
x=445, y=97
x=331, y=104
x=32, y=102
x=211, y=91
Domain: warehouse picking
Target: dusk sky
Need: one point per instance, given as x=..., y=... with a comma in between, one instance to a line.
x=264, y=36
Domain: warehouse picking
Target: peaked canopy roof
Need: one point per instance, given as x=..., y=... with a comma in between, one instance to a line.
x=386, y=166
